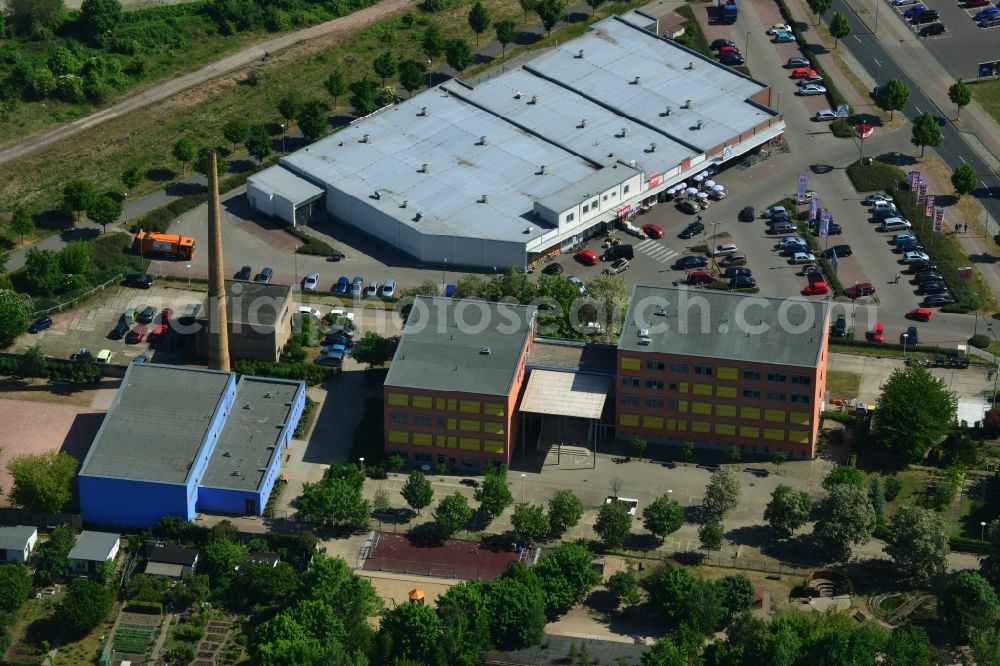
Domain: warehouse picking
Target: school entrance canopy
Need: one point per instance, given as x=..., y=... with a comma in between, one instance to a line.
x=574, y=401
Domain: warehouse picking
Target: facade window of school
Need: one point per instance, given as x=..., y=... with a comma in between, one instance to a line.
x=399, y=418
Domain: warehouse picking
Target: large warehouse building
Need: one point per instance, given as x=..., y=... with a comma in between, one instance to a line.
x=180, y=440
x=531, y=160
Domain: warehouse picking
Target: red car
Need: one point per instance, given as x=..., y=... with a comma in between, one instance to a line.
x=587, y=257
x=815, y=288
x=136, y=335
x=166, y=314
x=803, y=72
x=978, y=3
x=653, y=230
x=159, y=332
x=877, y=334
x=730, y=49
x=859, y=290
x=919, y=314
x=701, y=277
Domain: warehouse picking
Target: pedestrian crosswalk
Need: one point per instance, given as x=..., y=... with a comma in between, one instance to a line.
x=655, y=250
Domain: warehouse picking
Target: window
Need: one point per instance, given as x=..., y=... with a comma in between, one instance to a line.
x=593, y=204
x=630, y=401
x=672, y=386
x=442, y=422
x=654, y=403
x=655, y=365
x=422, y=420
x=625, y=189
x=800, y=397
x=655, y=384
x=570, y=216
x=751, y=394
x=605, y=197
x=751, y=375
x=777, y=377
x=705, y=370
x=399, y=418
x=422, y=457
x=776, y=396
x=586, y=208
x=680, y=368
x=801, y=380
x=672, y=405
x=631, y=382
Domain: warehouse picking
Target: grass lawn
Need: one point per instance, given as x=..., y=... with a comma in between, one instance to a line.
x=987, y=95
x=844, y=384
x=912, y=484
x=892, y=351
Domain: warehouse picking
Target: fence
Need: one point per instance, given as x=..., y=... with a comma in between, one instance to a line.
x=83, y=296
x=12, y=516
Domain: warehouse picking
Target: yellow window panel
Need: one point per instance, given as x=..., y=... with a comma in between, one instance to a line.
x=469, y=426
x=725, y=429
x=492, y=446
x=452, y=404
x=440, y=404
x=452, y=442
x=701, y=426
x=441, y=441
x=630, y=363
x=750, y=413
x=422, y=401
x=452, y=424
x=726, y=373
x=469, y=444
x=701, y=408
x=725, y=410
x=494, y=428
x=493, y=409
x=682, y=387
x=671, y=424
x=749, y=431
x=422, y=438
x=399, y=399
x=628, y=420
x=399, y=436
x=470, y=407
x=774, y=433
x=777, y=415
x=655, y=422
x=725, y=391
x=682, y=406
x=801, y=418
x=701, y=389
x=682, y=424
x=798, y=436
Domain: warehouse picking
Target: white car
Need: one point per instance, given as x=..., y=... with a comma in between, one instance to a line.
x=310, y=283
x=910, y=257
x=812, y=89
x=779, y=27
x=791, y=240
x=878, y=197
x=826, y=114
x=901, y=3
x=311, y=311
x=803, y=258
x=725, y=248
x=578, y=282
x=810, y=79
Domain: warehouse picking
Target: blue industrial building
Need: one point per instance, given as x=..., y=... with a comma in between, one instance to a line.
x=177, y=441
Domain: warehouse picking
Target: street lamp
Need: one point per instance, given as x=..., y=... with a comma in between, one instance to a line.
x=989, y=195
x=875, y=31
x=125, y=209
x=982, y=530
x=362, y=459
x=282, y=137
x=746, y=51
x=428, y=73
x=878, y=74
x=522, y=487
x=189, y=275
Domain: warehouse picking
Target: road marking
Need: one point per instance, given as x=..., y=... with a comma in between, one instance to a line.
x=918, y=110
x=876, y=62
x=962, y=158
x=857, y=38
x=652, y=249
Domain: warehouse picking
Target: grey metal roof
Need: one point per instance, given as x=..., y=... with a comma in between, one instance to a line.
x=93, y=546
x=250, y=435
x=276, y=180
x=437, y=354
x=156, y=424
x=565, y=394
x=251, y=302
x=721, y=325
x=16, y=537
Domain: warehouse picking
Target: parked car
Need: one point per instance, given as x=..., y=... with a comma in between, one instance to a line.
x=832, y=229
x=802, y=258
x=877, y=197
x=803, y=72
x=310, y=311
x=742, y=282
x=372, y=290
x=688, y=206
x=141, y=359
x=920, y=266
x=809, y=270
x=914, y=10
x=158, y=334
x=733, y=260
x=166, y=314
x=311, y=282
x=587, y=257
x=104, y=357
x=812, y=89
x=839, y=328
x=933, y=29
x=826, y=114
x=901, y=3
x=746, y=214
x=719, y=43
x=791, y=240
x=119, y=331
x=908, y=246
x=860, y=289
x=815, y=277
x=732, y=59
x=700, y=277
x=928, y=276
x=990, y=22
x=911, y=337
x=932, y=288
x=136, y=335
x=782, y=228
x=733, y=271
x=147, y=314
x=969, y=4
x=797, y=61
x=40, y=325
x=779, y=27
x=578, y=282
x=653, y=230
x=343, y=285
x=264, y=276
x=810, y=79
x=919, y=314
x=773, y=211
x=925, y=17
x=784, y=38
x=724, y=248
x=692, y=230
x=138, y=280
x=730, y=49
x=910, y=257
x=691, y=261
x=838, y=251
x=357, y=286
x=902, y=237
x=877, y=334
x=986, y=13
x=815, y=288
x=619, y=265
x=389, y=288
x=938, y=300
x=553, y=268
x=243, y=274
x=78, y=354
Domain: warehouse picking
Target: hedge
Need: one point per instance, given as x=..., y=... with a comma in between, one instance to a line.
x=147, y=607
x=310, y=374
x=311, y=245
x=832, y=93
x=966, y=545
x=160, y=219
x=839, y=417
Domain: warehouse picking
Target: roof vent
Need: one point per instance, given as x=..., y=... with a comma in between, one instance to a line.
x=632, y=163
x=518, y=95
x=486, y=351
x=246, y=406
x=644, y=332
x=687, y=104
x=635, y=81
x=534, y=99
x=423, y=111
x=652, y=147
x=698, y=126
x=621, y=133
x=424, y=168
x=376, y=195
x=482, y=141
x=268, y=395
x=227, y=454
x=583, y=123
x=579, y=54
x=484, y=199
x=667, y=111
x=340, y=143
x=690, y=65
x=541, y=170
x=416, y=218
x=236, y=472
x=367, y=138
x=405, y=203
x=528, y=230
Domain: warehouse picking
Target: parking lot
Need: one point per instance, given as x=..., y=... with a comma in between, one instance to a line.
x=963, y=45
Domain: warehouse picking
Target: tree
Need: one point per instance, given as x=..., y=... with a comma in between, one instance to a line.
x=411, y=75
x=908, y=646
x=432, y=43
x=236, y=131
x=458, y=53
x=15, y=585
x=43, y=482
x=530, y=523
x=845, y=517
x=465, y=620
x=839, y=28
x=788, y=509
x=892, y=95
x=85, y=606
x=819, y=7
x=417, y=491
x=331, y=581
x=312, y=120
x=263, y=585
x=289, y=107
x=105, y=210
x=410, y=631
x=78, y=195
x=876, y=495
x=687, y=449
x=363, y=96
x=506, y=31
x=336, y=85
x=710, y=534
x=333, y=500
x=989, y=566
x=737, y=594
x=258, y=142
x=594, y=4
x=131, y=178
x=511, y=284
x=21, y=223
x=35, y=18
x=42, y=272
x=372, y=350
x=479, y=19
x=219, y=560
x=613, y=524
x=52, y=558
x=779, y=459
x=960, y=95
x=917, y=411
x=494, y=495
x=624, y=586
x=670, y=590
x=844, y=475
x=664, y=516
x=926, y=132
x=550, y=12
x=184, y=151
x=968, y=605
x=567, y=575
x=528, y=6
x=918, y=543
x=565, y=511
x=385, y=65
x=100, y=17
x=964, y=179
x=452, y=513
x=517, y=608
x=638, y=444
x=14, y=309
x=74, y=259
x=734, y=455
x=722, y=494
x=892, y=488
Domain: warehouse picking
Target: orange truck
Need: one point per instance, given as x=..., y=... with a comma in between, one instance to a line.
x=173, y=245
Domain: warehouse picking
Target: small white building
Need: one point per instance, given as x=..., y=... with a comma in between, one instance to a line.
x=93, y=549
x=280, y=193
x=16, y=543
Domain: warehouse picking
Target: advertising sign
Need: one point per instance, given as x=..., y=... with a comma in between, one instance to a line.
x=921, y=194
x=803, y=186
x=824, y=224
x=939, y=219
x=914, y=178
x=813, y=205
x=929, y=208
x=654, y=180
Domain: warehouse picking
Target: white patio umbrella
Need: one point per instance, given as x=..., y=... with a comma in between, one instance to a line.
x=718, y=188
x=702, y=195
x=692, y=190
x=700, y=177
x=710, y=184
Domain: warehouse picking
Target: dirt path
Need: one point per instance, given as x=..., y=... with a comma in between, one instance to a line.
x=161, y=91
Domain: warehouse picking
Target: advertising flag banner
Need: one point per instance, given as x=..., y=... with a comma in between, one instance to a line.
x=913, y=179
x=939, y=219
x=929, y=208
x=803, y=186
x=921, y=193
x=813, y=205
x=824, y=224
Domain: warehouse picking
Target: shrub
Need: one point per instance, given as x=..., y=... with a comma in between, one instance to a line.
x=980, y=341
x=842, y=128
x=160, y=219
x=310, y=374
x=147, y=607
x=310, y=245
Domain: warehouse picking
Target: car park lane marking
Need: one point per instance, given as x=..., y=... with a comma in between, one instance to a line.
x=651, y=248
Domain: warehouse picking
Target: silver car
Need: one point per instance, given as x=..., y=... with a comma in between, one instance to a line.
x=812, y=89
x=803, y=258
x=311, y=281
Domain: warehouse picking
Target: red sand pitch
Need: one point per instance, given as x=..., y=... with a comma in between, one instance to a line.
x=467, y=560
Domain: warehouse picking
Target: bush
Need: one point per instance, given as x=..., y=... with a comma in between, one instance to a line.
x=842, y=129
x=693, y=37
x=310, y=374
x=147, y=607
x=877, y=176
x=310, y=245
x=189, y=632
x=980, y=341
x=160, y=219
